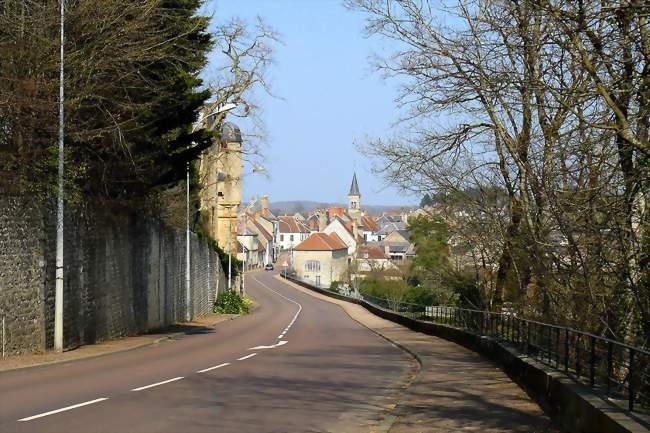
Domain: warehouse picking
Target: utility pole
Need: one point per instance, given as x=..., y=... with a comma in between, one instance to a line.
x=58, y=295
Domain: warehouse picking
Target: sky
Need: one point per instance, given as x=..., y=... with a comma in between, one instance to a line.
x=330, y=99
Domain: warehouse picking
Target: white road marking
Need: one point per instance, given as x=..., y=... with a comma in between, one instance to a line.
x=280, y=343
x=295, y=317
x=157, y=384
x=214, y=368
x=246, y=357
x=52, y=412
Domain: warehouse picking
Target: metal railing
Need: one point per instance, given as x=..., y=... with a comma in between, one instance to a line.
x=618, y=370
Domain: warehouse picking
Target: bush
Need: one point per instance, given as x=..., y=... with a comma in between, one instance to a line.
x=334, y=286
x=231, y=303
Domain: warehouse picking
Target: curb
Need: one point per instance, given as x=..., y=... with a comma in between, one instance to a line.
x=154, y=342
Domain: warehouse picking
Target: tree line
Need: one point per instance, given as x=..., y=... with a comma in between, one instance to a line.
x=540, y=109
x=133, y=91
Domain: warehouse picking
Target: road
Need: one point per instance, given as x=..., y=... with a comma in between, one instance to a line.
x=296, y=364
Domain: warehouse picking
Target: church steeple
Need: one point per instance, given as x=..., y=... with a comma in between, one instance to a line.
x=354, y=199
x=354, y=188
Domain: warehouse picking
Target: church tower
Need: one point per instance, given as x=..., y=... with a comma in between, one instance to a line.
x=354, y=200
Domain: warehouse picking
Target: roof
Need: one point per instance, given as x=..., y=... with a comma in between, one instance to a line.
x=322, y=242
x=354, y=188
x=369, y=224
x=289, y=224
x=230, y=133
x=261, y=230
x=392, y=227
x=374, y=253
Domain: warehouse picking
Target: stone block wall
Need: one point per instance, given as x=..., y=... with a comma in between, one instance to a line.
x=124, y=274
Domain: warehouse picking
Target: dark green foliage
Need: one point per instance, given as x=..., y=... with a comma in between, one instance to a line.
x=132, y=94
x=231, y=303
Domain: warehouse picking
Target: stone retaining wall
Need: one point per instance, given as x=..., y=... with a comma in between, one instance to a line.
x=124, y=274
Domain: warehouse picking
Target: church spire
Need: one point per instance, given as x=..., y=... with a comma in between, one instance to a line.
x=354, y=188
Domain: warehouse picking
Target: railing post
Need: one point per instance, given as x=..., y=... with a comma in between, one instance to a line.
x=631, y=382
x=527, y=337
x=557, y=347
x=610, y=367
x=592, y=362
x=566, y=349
x=578, y=356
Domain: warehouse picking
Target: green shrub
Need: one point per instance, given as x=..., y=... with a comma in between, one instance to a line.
x=334, y=286
x=231, y=303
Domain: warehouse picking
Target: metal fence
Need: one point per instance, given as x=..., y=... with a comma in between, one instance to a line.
x=618, y=370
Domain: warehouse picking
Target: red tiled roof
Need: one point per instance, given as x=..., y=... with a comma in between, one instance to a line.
x=322, y=242
x=289, y=224
x=374, y=253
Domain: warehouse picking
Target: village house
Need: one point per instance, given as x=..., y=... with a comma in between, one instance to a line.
x=321, y=259
x=291, y=232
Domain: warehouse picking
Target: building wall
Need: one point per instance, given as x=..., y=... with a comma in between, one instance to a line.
x=333, y=265
x=124, y=274
x=337, y=227
x=285, y=242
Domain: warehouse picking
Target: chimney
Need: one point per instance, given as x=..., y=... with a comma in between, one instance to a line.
x=322, y=220
x=265, y=205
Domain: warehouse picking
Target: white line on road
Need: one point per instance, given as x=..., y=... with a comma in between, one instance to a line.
x=63, y=409
x=280, y=343
x=295, y=317
x=214, y=368
x=157, y=384
x=246, y=357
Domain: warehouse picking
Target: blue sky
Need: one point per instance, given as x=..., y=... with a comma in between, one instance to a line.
x=331, y=98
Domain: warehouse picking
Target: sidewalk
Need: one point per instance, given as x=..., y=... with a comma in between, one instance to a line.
x=173, y=332
x=455, y=389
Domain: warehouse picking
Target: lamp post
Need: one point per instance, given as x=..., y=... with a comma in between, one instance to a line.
x=58, y=292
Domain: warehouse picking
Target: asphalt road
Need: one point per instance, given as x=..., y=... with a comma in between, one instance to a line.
x=297, y=364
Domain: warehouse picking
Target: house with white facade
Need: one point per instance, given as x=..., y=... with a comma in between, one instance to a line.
x=291, y=232
x=344, y=232
x=321, y=259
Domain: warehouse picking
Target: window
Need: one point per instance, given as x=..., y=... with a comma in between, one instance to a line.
x=290, y=238
x=312, y=266
x=281, y=238
x=365, y=255
x=365, y=237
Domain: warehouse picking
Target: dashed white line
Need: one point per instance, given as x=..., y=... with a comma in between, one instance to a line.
x=295, y=317
x=52, y=412
x=157, y=384
x=246, y=357
x=214, y=368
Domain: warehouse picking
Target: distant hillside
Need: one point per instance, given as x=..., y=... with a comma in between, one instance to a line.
x=306, y=206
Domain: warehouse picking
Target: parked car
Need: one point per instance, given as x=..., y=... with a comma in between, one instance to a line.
x=268, y=267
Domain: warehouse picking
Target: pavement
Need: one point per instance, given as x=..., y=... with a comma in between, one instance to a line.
x=454, y=390
x=200, y=324
x=296, y=364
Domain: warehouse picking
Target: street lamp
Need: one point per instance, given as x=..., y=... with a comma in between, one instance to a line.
x=58, y=292
x=221, y=109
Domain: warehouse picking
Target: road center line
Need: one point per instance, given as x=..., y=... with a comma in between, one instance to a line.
x=157, y=384
x=295, y=317
x=214, y=368
x=246, y=357
x=63, y=409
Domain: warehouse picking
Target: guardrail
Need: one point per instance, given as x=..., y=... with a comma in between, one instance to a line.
x=619, y=370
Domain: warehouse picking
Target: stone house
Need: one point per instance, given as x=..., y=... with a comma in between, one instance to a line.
x=344, y=232
x=321, y=259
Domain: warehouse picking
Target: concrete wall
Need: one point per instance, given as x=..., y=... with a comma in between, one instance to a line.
x=124, y=274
